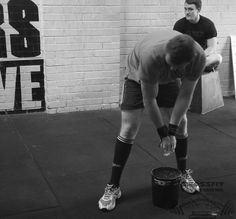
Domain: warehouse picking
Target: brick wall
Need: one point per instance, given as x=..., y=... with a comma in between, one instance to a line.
x=82, y=54
x=73, y=55
x=224, y=15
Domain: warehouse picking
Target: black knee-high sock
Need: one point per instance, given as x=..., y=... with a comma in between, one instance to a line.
x=181, y=153
x=121, y=154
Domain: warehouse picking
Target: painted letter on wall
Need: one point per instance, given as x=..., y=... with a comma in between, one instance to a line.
x=21, y=63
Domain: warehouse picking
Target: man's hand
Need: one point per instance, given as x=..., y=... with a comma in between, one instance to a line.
x=168, y=144
x=168, y=140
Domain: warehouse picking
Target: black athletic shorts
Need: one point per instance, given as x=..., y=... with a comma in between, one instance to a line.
x=132, y=95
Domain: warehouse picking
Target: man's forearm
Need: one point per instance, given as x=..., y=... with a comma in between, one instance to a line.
x=150, y=92
x=179, y=111
x=154, y=112
x=183, y=101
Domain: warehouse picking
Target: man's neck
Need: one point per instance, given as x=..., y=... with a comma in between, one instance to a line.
x=196, y=20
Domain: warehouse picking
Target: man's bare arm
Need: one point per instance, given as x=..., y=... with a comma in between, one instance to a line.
x=211, y=46
x=183, y=101
x=150, y=92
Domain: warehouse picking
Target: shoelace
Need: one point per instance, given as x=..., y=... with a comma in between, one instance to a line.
x=189, y=177
x=108, y=191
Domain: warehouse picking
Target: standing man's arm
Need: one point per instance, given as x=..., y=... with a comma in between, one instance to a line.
x=150, y=92
x=183, y=101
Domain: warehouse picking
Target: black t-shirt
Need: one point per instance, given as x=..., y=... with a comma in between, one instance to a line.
x=200, y=32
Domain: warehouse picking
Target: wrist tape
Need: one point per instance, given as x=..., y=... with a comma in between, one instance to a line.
x=163, y=131
x=172, y=129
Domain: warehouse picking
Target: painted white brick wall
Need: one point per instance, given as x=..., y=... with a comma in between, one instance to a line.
x=82, y=54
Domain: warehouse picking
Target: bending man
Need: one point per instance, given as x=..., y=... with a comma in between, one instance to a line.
x=155, y=67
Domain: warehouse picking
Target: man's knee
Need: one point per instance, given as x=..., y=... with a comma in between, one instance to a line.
x=216, y=60
x=129, y=130
x=213, y=61
x=219, y=58
x=130, y=123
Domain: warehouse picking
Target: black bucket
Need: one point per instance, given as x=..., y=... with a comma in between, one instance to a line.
x=165, y=187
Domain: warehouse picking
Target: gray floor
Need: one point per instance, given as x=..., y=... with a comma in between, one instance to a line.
x=56, y=166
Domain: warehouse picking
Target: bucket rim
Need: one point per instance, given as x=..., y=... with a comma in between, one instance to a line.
x=167, y=179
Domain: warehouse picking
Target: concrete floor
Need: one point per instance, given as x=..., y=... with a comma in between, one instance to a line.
x=56, y=166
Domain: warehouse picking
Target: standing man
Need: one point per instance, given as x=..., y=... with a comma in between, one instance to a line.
x=154, y=68
x=202, y=30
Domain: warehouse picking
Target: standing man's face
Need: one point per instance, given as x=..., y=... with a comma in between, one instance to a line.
x=191, y=12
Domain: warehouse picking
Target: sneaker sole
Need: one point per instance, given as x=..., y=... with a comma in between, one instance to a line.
x=112, y=207
x=190, y=192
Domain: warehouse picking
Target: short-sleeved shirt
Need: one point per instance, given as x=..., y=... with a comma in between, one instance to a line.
x=200, y=32
x=147, y=62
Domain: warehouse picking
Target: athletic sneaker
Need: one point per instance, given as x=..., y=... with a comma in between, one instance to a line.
x=108, y=200
x=188, y=184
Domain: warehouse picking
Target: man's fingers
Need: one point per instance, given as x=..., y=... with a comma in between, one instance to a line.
x=168, y=144
x=162, y=145
x=165, y=142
